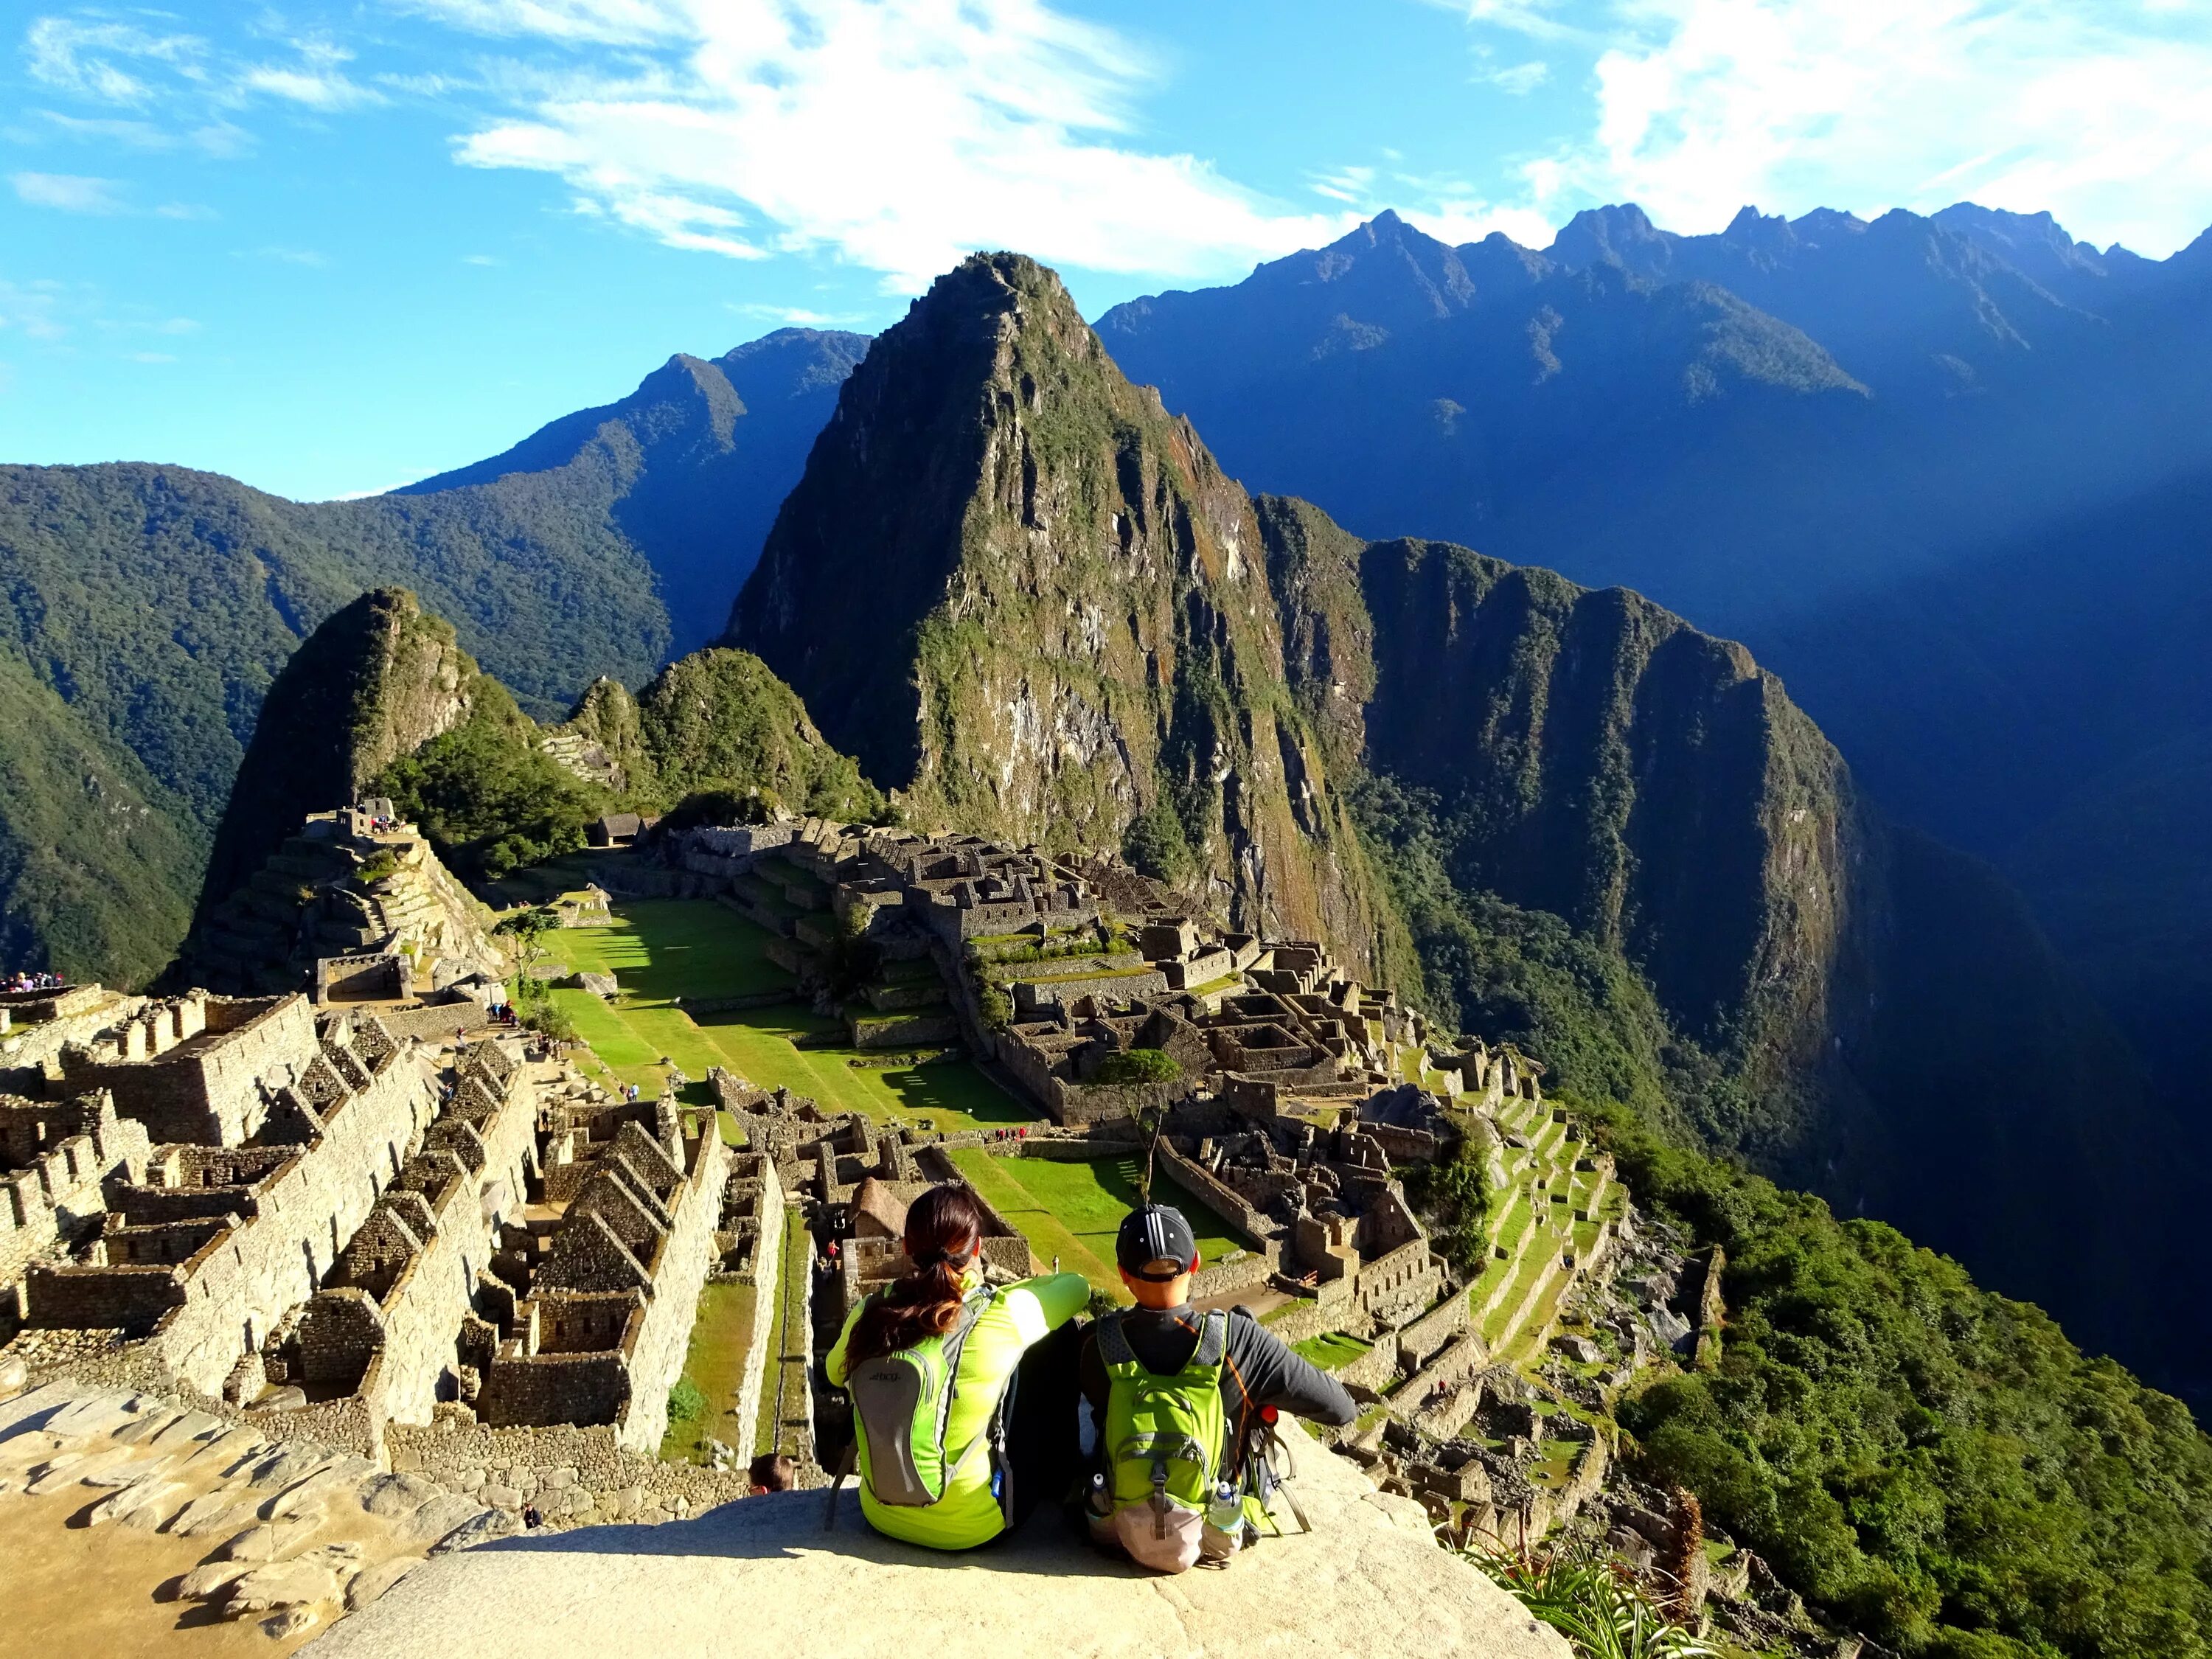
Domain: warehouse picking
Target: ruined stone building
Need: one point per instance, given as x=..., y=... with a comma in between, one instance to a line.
x=270, y=1136
x=606, y=1296
x=354, y=907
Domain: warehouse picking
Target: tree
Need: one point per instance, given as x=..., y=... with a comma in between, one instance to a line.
x=528, y=927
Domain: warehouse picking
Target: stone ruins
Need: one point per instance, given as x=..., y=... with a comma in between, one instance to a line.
x=342, y=1225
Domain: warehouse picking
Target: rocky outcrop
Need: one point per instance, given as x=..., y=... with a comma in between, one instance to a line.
x=1368, y=1579
x=377, y=681
x=1029, y=602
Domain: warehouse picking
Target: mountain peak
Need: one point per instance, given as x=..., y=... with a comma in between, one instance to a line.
x=1025, y=596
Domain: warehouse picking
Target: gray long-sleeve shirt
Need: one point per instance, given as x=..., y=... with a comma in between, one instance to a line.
x=1261, y=1370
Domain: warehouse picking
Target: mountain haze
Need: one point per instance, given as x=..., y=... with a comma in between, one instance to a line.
x=1943, y=473
x=1029, y=604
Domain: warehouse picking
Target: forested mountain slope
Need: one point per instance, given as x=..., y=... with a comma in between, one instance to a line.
x=1028, y=603
x=154, y=605
x=1944, y=474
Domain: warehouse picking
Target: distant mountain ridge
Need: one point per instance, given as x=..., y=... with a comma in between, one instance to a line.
x=708, y=450
x=154, y=605
x=1942, y=473
x=1030, y=603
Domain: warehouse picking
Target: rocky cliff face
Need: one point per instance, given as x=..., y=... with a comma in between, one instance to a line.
x=1029, y=602
x=1854, y=1007
x=377, y=681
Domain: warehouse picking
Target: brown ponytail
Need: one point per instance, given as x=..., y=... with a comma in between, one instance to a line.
x=943, y=1230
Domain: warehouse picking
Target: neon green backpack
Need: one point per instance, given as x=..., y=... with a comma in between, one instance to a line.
x=900, y=1405
x=1163, y=1444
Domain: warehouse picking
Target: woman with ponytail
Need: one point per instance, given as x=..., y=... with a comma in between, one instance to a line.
x=963, y=1475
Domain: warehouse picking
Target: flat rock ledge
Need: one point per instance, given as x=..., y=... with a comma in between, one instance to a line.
x=762, y=1575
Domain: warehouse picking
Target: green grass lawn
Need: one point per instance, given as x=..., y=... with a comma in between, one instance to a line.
x=661, y=949
x=1333, y=1351
x=1072, y=1210
x=797, y=1257
x=715, y=1361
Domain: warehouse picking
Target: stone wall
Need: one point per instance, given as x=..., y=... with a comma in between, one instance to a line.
x=1032, y=994
x=765, y=1276
x=1252, y=1229
x=278, y=1257
x=54, y=1160
x=209, y=1090
x=1429, y=1335
x=679, y=1274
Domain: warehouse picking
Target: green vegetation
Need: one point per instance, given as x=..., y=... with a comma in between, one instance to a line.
x=1448, y=1196
x=1932, y=1463
x=97, y=860
x=783, y=1383
x=1589, y=1601
x=1137, y=1066
x=719, y=721
x=1072, y=1211
x=488, y=798
x=1156, y=845
x=662, y=951
x=714, y=1369
x=713, y=733
x=1333, y=1351
x=686, y=1405
x=154, y=606
x=528, y=928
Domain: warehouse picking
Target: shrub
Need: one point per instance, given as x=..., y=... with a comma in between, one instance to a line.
x=1138, y=1065
x=686, y=1403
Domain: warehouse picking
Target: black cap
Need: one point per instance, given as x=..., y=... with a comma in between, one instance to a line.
x=1155, y=1232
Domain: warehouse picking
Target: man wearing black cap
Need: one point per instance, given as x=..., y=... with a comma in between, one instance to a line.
x=1158, y=1253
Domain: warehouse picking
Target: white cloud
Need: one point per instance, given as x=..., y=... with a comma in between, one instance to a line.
x=1521, y=79
x=294, y=255
x=795, y=316
x=2098, y=114
x=318, y=81
x=153, y=357
x=481, y=259
x=100, y=59
x=185, y=210
x=69, y=192
x=895, y=134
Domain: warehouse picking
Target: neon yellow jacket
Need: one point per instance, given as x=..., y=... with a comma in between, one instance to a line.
x=968, y=1514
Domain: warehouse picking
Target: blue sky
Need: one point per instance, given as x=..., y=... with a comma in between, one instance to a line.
x=329, y=248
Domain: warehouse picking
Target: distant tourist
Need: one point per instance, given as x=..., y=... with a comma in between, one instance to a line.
x=955, y=1480
x=771, y=1472
x=1211, y=1382
x=531, y=1516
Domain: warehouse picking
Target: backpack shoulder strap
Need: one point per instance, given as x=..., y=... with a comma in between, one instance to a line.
x=1114, y=1350
x=1212, y=1342
x=972, y=1307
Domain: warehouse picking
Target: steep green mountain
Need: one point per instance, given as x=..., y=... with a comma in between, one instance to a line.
x=158, y=603
x=697, y=460
x=93, y=864
x=1936, y=1466
x=1617, y=842
x=374, y=683
x=1982, y=571
x=1030, y=603
x=382, y=700
x=719, y=720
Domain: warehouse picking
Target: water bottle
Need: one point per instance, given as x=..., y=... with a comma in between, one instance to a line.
x=1100, y=1502
x=1226, y=1513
